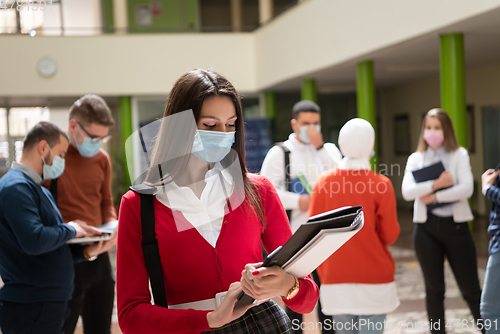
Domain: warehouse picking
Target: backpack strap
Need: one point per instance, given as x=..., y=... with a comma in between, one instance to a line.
x=53, y=189
x=150, y=244
x=288, y=183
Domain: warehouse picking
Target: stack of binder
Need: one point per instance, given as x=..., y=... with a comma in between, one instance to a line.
x=313, y=243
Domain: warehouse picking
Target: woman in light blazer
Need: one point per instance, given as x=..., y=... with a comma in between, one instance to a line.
x=441, y=213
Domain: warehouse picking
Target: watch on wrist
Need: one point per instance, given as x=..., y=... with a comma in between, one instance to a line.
x=320, y=147
x=87, y=255
x=294, y=290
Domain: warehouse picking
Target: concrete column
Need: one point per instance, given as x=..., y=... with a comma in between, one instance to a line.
x=120, y=16
x=265, y=10
x=236, y=15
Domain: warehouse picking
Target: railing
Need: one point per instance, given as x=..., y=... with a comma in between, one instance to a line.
x=23, y=22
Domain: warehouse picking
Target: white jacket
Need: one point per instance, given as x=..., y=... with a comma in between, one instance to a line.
x=460, y=170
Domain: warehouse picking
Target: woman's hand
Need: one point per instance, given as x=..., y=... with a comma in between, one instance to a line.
x=267, y=282
x=427, y=199
x=225, y=313
x=444, y=180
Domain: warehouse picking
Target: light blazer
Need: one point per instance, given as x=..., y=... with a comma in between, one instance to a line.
x=460, y=170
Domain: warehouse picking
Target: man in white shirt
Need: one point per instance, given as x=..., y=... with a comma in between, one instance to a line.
x=309, y=156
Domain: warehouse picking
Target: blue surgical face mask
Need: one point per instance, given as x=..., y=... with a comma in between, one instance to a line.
x=88, y=149
x=55, y=170
x=303, y=133
x=212, y=146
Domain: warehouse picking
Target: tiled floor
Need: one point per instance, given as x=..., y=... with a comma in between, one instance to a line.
x=411, y=317
x=411, y=313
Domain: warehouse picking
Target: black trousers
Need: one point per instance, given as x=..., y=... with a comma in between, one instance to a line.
x=93, y=296
x=321, y=317
x=433, y=240
x=33, y=318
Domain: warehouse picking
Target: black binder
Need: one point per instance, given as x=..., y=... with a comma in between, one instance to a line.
x=429, y=173
x=309, y=234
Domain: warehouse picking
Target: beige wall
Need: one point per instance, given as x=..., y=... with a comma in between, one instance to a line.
x=418, y=97
x=122, y=65
x=311, y=36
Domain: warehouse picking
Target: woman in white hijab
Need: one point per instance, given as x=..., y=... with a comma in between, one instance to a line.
x=358, y=286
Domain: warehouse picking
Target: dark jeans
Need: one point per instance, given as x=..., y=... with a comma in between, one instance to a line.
x=93, y=296
x=33, y=318
x=433, y=240
x=321, y=317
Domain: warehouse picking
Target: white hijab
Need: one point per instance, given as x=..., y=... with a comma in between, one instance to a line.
x=356, y=141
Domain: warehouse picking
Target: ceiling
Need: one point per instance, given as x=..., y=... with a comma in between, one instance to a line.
x=412, y=59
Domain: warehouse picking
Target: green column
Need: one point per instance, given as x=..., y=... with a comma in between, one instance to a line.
x=270, y=109
x=309, y=90
x=366, y=98
x=107, y=16
x=270, y=104
x=126, y=122
x=453, y=83
x=452, y=72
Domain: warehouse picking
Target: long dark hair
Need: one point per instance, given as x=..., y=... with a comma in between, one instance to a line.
x=189, y=93
x=450, y=139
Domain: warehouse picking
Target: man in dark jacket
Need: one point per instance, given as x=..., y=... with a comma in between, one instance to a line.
x=36, y=264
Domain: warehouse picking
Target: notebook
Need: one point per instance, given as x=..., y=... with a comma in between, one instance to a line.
x=313, y=243
x=429, y=173
x=108, y=230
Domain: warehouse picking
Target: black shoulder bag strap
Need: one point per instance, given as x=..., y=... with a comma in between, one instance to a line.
x=150, y=244
x=288, y=184
x=53, y=189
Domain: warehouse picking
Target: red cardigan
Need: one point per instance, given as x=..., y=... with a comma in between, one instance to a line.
x=192, y=268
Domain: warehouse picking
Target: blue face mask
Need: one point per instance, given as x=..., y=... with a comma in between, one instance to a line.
x=88, y=149
x=303, y=133
x=212, y=146
x=54, y=171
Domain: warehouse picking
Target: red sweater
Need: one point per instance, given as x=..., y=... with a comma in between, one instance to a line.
x=192, y=268
x=365, y=258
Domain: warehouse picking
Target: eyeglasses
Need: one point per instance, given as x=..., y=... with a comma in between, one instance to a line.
x=95, y=139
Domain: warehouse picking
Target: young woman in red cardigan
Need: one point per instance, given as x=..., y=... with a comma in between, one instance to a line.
x=212, y=217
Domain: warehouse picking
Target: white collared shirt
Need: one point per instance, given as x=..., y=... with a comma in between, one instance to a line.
x=432, y=157
x=206, y=213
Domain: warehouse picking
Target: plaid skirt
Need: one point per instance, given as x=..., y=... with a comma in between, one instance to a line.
x=265, y=318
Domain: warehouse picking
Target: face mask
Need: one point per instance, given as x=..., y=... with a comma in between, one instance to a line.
x=88, y=149
x=303, y=133
x=54, y=171
x=212, y=146
x=434, y=138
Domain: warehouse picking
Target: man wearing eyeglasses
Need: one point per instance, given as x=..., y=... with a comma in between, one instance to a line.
x=83, y=195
